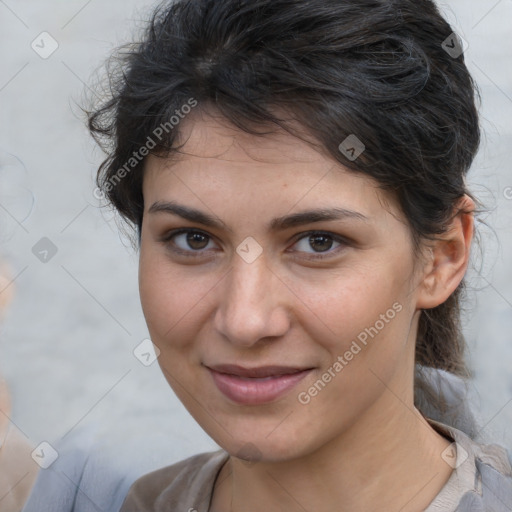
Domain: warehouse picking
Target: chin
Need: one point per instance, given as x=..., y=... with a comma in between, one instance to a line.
x=260, y=446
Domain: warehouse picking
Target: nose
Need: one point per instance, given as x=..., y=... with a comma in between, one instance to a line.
x=252, y=304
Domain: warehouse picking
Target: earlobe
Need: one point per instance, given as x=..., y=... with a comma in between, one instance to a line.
x=449, y=257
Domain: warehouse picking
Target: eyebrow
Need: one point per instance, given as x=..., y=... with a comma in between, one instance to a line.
x=276, y=224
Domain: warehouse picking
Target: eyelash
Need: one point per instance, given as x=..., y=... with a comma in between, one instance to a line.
x=167, y=240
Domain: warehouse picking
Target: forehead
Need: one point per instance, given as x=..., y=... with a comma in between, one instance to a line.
x=207, y=134
x=217, y=161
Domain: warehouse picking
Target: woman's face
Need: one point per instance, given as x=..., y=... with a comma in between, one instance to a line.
x=330, y=340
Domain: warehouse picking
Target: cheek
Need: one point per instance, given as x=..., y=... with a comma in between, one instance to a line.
x=173, y=299
x=158, y=288
x=370, y=346
x=356, y=304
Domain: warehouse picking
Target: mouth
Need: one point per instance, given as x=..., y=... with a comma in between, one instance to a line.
x=254, y=386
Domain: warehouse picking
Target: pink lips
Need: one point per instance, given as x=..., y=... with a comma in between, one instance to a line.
x=252, y=386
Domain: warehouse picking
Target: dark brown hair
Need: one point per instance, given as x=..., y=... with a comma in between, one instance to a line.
x=376, y=69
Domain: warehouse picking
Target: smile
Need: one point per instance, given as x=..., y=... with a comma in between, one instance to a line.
x=257, y=385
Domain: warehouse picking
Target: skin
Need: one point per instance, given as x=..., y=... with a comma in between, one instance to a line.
x=359, y=444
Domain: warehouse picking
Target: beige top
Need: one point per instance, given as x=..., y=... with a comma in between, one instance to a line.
x=188, y=485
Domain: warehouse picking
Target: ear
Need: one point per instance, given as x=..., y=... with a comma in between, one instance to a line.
x=449, y=257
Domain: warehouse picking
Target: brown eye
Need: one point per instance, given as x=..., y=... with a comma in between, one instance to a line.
x=320, y=242
x=187, y=241
x=196, y=241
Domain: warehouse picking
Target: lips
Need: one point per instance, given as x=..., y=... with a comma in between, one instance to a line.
x=253, y=386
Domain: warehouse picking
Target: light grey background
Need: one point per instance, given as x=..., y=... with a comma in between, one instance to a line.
x=66, y=343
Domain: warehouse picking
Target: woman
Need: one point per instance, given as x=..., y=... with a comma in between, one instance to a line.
x=295, y=172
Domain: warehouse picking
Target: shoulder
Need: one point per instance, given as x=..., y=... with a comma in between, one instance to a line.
x=187, y=483
x=482, y=476
x=96, y=465
x=493, y=487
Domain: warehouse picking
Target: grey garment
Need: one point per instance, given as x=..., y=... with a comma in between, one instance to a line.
x=94, y=472
x=84, y=478
x=497, y=493
x=96, y=466
x=443, y=397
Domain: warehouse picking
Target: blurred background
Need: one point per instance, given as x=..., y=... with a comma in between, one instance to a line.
x=67, y=340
